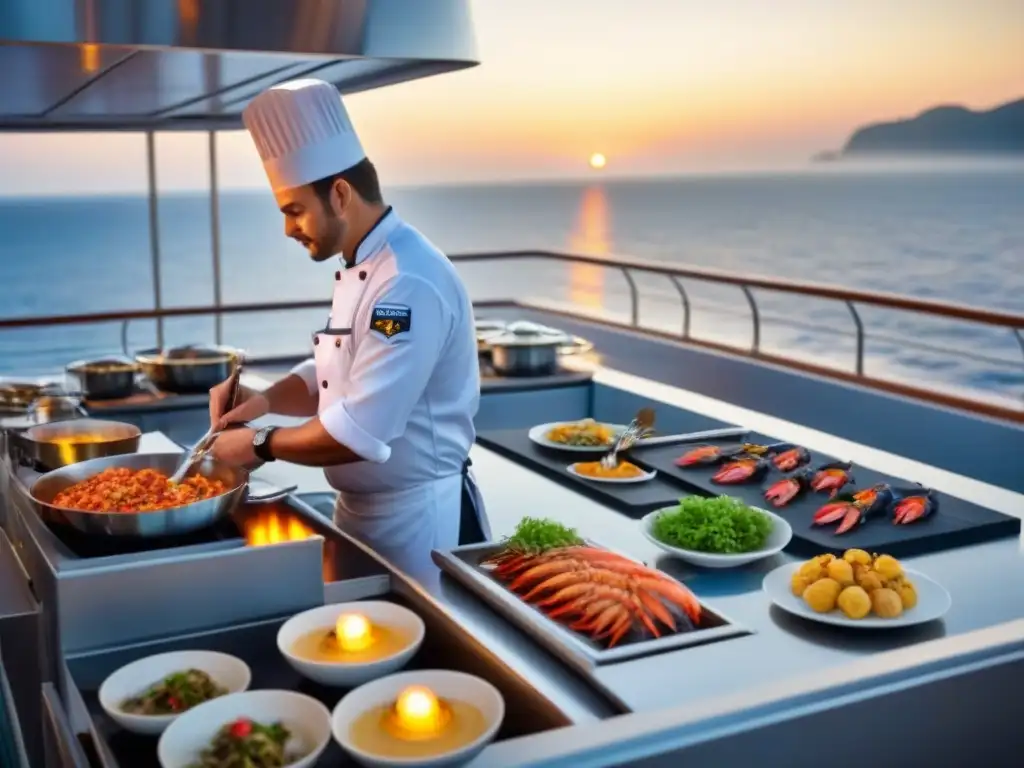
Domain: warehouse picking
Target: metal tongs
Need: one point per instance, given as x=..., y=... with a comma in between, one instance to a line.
x=205, y=443
x=642, y=424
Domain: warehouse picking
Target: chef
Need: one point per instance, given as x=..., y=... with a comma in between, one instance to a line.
x=394, y=381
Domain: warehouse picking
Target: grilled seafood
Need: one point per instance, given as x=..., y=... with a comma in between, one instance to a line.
x=830, y=478
x=854, y=509
x=599, y=593
x=912, y=505
x=740, y=471
x=787, y=457
x=783, y=491
x=708, y=454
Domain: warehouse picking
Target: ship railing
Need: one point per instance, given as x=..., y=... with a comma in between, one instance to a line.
x=678, y=277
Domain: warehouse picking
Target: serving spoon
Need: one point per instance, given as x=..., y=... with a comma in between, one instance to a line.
x=642, y=424
x=203, y=445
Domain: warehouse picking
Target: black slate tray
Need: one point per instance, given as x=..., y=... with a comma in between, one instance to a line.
x=956, y=523
x=632, y=499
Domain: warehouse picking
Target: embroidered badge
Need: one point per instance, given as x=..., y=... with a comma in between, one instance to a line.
x=391, y=319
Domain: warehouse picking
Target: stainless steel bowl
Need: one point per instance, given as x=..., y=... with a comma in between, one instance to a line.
x=163, y=522
x=63, y=443
x=189, y=369
x=106, y=379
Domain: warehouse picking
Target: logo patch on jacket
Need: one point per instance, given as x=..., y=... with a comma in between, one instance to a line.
x=391, y=319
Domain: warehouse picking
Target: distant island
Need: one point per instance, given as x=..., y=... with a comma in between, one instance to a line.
x=944, y=130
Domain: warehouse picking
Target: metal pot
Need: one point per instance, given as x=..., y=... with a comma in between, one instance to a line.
x=64, y=443
x=105, y=379
x=162, y=522
x=19, y=395
x=485, y=331
x=527, y=349
x=188, y=369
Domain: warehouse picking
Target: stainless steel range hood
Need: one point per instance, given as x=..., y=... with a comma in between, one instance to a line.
x=195, y=64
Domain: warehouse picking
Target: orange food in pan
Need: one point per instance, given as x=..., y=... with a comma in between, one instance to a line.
x=144, y=490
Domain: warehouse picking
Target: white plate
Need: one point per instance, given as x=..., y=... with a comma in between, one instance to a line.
x=445, y=684
x=571, y=469
x=132, y=679
x=308, y=720
x=344, y=674
x=933, y=601
x=779, y=537
x=539, y=435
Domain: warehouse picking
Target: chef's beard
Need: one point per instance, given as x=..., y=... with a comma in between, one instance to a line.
x=329, y=243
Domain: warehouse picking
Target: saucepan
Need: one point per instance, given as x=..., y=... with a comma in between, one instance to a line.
x=189, y=369
x=162, y=522
x=62, y=443
x=529, y=349
x=109, y=378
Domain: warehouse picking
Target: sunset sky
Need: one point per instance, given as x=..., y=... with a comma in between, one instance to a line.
x=658, y=86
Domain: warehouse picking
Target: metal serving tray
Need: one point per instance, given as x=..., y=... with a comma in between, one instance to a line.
x=463, y=564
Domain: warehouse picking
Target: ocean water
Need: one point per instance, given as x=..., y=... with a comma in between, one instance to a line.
x=946, y=235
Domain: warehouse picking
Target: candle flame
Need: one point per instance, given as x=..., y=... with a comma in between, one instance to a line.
x=353, y=632
x=419, y=714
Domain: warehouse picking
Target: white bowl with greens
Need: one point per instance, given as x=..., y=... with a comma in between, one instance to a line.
x=718, y=532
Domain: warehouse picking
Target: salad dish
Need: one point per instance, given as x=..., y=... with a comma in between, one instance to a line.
x=255, y=729
x=720, y=532
x=858, y=589
x=147, y=695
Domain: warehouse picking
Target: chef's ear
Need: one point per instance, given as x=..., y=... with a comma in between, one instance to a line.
x=341, y=196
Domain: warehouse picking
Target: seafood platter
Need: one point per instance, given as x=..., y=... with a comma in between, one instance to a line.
x=584, y=602
x=832, y=505
x=248, y=700
x=857, y=589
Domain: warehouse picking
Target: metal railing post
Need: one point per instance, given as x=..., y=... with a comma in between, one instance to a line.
x=755, y=317
x=634, y=297
x=215, y=237
x=154, y=233
x=860, y=337
x=686, y=305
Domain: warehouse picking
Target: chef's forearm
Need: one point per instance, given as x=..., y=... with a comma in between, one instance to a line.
x=290, y=397
x=310, y=445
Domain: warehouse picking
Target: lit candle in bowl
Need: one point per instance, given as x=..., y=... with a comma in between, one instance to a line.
x=419, y=714
x=353, y=632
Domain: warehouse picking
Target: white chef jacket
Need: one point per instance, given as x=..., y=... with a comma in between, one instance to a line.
x=397, y=375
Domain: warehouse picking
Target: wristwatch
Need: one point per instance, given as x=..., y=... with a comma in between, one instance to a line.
x=261, y=443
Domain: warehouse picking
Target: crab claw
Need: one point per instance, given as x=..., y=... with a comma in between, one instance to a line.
x=783, y=491
x=704, y=454
x=786, y=457
x=740, y=471
x=854, y=509
x=915, y=506
x=831, y=478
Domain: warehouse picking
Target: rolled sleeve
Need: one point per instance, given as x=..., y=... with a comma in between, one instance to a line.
x=306, y=370
x=389, y=373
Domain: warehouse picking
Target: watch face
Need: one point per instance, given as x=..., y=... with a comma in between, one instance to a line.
x=260, y=437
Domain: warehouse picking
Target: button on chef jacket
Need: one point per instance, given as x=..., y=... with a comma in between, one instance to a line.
x=397, y=376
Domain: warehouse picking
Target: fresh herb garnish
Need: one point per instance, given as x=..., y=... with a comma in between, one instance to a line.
x=722, y=525
x=534, y=535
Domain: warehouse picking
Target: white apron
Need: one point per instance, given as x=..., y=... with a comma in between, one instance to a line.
x=403, y=526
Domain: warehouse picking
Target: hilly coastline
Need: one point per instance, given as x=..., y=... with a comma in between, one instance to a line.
x=942, y=130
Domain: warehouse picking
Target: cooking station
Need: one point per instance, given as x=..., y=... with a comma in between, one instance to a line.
x=229, y=587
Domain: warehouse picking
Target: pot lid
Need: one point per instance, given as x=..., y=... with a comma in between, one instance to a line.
x=485, y=324
x=113, y=363
x=527, y=334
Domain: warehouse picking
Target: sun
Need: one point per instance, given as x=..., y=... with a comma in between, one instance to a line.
x=598, y=161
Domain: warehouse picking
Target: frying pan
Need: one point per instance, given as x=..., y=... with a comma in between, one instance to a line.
x=161, y=522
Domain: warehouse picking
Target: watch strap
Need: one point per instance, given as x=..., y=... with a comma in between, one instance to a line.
x=261, y=447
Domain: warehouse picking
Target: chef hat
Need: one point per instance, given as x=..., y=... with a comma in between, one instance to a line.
x=302, y=132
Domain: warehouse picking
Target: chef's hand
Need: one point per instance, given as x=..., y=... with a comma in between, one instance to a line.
x=234, y=446
x=251, y=405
